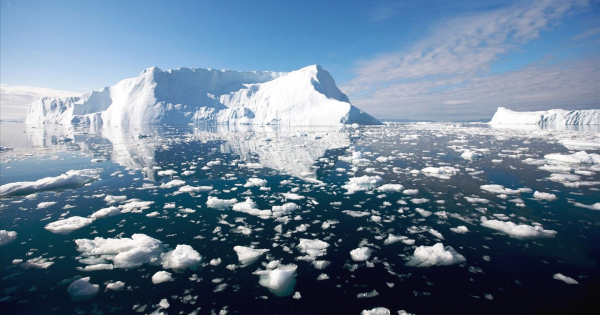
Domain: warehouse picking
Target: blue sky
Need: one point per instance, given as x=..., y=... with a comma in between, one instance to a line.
x=402, y=59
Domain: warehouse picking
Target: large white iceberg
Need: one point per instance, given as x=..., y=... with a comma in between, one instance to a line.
x=72, y=178
x=306, y=97
x=505, y=116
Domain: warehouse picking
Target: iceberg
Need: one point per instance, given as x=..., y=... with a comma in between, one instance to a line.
x=305, y=97
x=505, y=116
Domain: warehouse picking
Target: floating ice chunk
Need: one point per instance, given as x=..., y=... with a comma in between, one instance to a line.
x=362, y=183
x=356, y=214
x=68, y=225
x=390, y=187
x=135, y=206
x=248, y=255
x=320, y=264
x=215, y=202
x=499, y=189
x=280, y=281
x=361, y=253
x=565, y=279
x=292, y=196
x=367, y=295
x=476, y=200
x=391, y=239
x=284, y=209
x=37, y=263
x=419, y=201
x=436, y=234
x=82, y=289
x=161, y=276
x=113, y=199
x=442, y=172
x=45, y=204
x=313, y=248
x=182, y=257
x=580, y=157
x=163, y=304
x=436, y=255
x=167, y=173
x=323, y=276
x=193, y=189
x=376, y=311
x=544, y=196
x=423, y=212
x=471, y=155
x=124, y=252
x=258, y=182
x=595, y=206
x=521, y=231
x=7, y=237
x=106, y=212
x=115, y=286
x=173, y=183
x=96, y=267
x=580, y=144
x=215, y=262
x=411, y=191
x=72, y=178
x=460, y=229
x=249, y=207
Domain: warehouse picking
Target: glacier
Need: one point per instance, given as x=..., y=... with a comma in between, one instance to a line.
x=305, y=97
x=553, y=117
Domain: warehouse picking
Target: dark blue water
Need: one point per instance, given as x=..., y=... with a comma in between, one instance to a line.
x=515, y=275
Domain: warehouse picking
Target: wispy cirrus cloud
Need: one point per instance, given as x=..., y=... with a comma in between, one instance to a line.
x=449, y=71
x=15, y=99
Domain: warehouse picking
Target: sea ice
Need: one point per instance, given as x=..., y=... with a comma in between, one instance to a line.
x=72, y=178
x=280, y=281
x=376, y=311
x=521, y=231
x=436, y=255
x=182, y=257
x=248, y=255
x=362, y=183
x=7, y=237
x=565, y=279
x=361, y=253
x=580, y=157
x=124, y=252
x=115, y=286
x=68, y=225
x=161, y=276
x=82, y=289
x=544, y=196
x=313, y=248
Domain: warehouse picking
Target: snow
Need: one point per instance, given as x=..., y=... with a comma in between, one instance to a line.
x=306, y=97
x=124, y=252
x=182, y=257
x=7, y=237
x=565, y=279
x=161, y=276
x=248, y=255
x=68, y=225
x=521, y=231
x=280, y=281
x=361, y=253
x=436, y=255
x=82, y=289
x=72, y=178
x=504, y=116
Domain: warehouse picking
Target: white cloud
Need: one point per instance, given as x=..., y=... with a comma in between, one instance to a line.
x=447, y=74
x=15, y=99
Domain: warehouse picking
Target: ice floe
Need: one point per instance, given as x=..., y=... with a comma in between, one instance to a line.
x=82, y=289
x=280, y=281
x=72, y=178
x=436, y=255
x=161, y=276
x=518, y=231
x=68, y=225
x=7, y=237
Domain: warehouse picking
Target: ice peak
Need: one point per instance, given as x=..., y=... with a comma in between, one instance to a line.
x=151, y=70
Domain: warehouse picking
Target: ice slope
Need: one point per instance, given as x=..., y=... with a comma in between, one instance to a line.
x=504, y=116
x=307, y=96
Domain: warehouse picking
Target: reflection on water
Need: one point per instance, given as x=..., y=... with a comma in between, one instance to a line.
x=289, y=150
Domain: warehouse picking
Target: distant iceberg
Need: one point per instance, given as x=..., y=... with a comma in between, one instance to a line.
x=553, y=117
x=306, y=97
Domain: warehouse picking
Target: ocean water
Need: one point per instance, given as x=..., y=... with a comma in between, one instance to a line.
x=334, y=176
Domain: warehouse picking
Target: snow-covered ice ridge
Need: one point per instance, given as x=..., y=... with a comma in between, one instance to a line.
x=306, y=97
x=505, y=116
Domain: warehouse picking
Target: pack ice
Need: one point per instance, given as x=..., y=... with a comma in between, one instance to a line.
x=306, y=97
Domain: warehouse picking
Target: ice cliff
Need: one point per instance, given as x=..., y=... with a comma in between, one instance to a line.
x=504, y=116
x=306, y=97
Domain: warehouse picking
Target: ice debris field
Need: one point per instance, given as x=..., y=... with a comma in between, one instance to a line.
x=424, y=218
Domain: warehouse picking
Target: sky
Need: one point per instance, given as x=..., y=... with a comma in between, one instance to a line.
x=430, y=59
